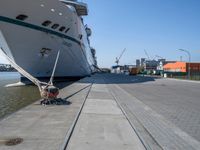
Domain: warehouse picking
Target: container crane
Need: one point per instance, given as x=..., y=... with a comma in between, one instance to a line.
x=118, y=58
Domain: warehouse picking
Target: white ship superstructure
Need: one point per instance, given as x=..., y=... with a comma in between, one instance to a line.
x=33, y=31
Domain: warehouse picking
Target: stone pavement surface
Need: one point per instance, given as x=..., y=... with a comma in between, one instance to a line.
x=153, y=102
x=121, y=113
x=176, y=100
x=102, y=125
x=43, y=127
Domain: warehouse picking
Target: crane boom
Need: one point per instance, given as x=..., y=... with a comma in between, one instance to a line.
x=159, y=56
x=146, y=54
x=117, y=59
x=122, y=54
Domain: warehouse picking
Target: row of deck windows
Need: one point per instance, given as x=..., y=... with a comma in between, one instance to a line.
x=55, y=26
x=46, y=23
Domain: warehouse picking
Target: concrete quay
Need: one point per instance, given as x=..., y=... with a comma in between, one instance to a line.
x=111, y=112
x=44, y=127
x=93, y=120
x=102, y=125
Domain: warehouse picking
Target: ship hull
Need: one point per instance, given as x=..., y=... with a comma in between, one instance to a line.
x=34, y=47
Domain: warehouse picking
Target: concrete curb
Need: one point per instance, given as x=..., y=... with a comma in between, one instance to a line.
x=182, y=80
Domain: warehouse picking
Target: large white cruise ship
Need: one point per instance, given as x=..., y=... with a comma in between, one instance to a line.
x=33, y=31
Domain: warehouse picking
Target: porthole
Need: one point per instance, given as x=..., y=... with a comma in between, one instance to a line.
x=21, y=17
x=55, y=26
x=80, y=36
x=62, y=29
x=67, y=30
x=46, y=23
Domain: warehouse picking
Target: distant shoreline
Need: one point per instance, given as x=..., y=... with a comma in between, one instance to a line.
x=8, y=71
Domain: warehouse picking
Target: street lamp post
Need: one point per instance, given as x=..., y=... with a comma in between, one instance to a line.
x=189, y=55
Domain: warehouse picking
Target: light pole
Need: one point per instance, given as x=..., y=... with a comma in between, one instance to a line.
x=189, y=55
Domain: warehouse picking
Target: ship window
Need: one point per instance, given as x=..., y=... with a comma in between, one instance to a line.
x=46, y=23
x=67, y=30
x=80, y=36
x=21, y=17
x=62, y=28
x=55, y=26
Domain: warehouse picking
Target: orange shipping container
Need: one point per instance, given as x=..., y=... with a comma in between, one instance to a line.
x=175, y=67
x=181, y=67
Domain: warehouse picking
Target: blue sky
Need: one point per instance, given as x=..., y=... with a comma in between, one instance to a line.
x=159, y=26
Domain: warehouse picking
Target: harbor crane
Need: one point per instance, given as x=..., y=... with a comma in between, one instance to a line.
x=146, y=54
x=159, y=56
x=47, y=91
x=118, y=58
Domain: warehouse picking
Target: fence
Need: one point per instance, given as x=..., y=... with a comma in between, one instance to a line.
x=179, y=75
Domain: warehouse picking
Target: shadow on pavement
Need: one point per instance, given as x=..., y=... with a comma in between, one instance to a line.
x=118, y=79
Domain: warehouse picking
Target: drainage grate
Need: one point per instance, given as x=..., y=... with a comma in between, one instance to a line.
x=14, y=141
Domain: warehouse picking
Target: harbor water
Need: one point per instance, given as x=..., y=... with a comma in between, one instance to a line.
x=14, y=98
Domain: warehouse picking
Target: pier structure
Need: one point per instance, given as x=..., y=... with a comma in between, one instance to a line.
x=109, y=112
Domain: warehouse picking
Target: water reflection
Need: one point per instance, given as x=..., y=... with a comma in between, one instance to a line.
x=14, y=98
